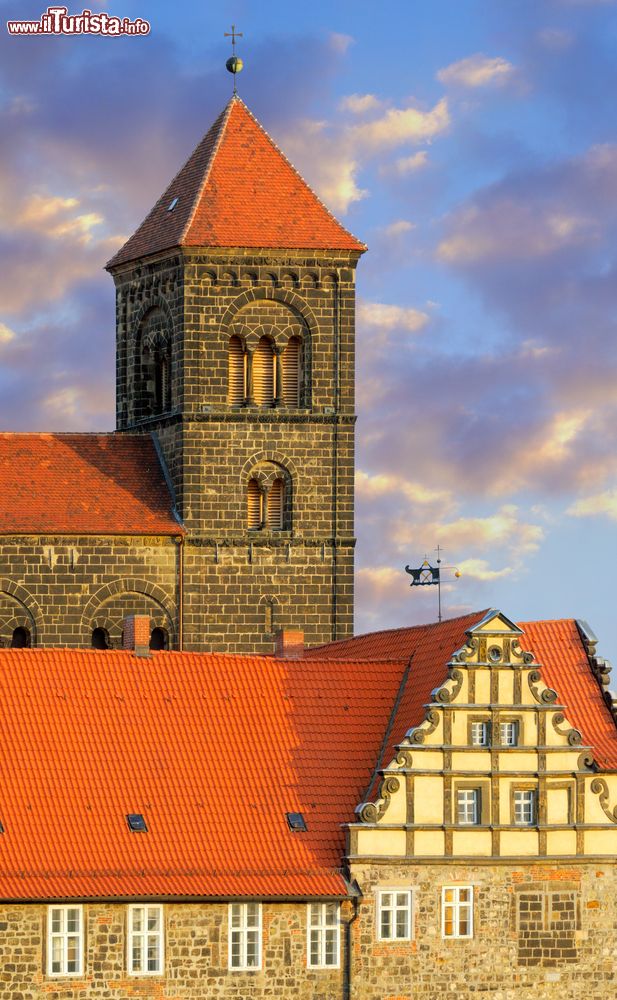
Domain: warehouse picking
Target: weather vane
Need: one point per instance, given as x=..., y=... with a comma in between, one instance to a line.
x=430, y=576
x=234, y=64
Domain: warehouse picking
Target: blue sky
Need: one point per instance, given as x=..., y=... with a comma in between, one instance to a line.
x=472, y=145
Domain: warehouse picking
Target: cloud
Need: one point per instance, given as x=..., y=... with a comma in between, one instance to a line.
x=6, y=334
x=555, y=39
x=340, y=42
x=397, y=228
x=409, y=164
x=601, y=504
x=379, y=485
x=477, y=71
x=359, y=104
x=389, y=317
x=401, y=125
x=54, y=216
x=479, y=569
x=504, y=528
x=532, y=231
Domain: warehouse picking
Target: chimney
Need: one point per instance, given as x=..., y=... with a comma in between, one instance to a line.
x=136, y=634
x=289, y=644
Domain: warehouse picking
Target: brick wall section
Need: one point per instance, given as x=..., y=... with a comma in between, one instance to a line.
x=578, y=960
x=304, y=573
x=136, y=632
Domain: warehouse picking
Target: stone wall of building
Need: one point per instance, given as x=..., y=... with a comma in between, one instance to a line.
x=61, y=588
x=541, y=932
x=194, y=302
x=196, y=957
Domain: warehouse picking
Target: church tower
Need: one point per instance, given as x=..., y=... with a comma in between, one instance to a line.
x=235, y=349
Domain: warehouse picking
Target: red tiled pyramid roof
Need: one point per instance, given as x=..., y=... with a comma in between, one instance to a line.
x=237, y=189
x=213, y=750
x=70, y=484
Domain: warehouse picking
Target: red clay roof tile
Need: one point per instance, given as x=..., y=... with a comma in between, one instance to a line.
x=237, y=189
x=70, y=484
x=213, y=750
x=558, y=649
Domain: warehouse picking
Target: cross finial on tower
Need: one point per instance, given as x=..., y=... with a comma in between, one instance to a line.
x=234, y=64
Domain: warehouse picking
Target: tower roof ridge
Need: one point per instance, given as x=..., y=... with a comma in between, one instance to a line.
x=237, y=189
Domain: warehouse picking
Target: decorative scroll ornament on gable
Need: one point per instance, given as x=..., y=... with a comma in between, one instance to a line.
x=371, y=812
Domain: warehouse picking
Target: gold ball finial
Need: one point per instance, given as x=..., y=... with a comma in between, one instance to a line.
x=234, y=64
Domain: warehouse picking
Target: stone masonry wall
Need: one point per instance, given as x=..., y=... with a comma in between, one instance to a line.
x=196, y=957
x=61, y=588
x=541, y=932
x=304, y=573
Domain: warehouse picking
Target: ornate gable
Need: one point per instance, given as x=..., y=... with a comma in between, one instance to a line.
x=495, y=769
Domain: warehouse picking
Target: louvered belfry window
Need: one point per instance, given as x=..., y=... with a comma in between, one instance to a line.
x=236, y=373
x=291, y=372
x=162, y=386
x=263, y=373
x=274, y=505
x=253, y=505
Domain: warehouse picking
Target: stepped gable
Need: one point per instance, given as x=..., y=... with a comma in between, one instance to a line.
x=237, y=189
x=213, y=750
x=83, y=484
x=558, y=649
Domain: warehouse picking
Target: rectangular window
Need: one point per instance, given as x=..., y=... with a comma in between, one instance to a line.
x=65, y=941
x=394, y=914
x=145, y=940
x=245, y=935
x=323, y=935
x=508, y=734
x=457, y=911
x=479, y=734
x=468, y=806
x=524, y=806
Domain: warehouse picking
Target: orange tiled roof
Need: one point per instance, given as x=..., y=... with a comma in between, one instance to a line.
x=559, y=650
x=237, y=189
x=557, y=646
x=70, y=484
x=213, y=750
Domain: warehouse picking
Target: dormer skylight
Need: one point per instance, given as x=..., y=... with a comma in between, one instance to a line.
x=296, y=822
x=172, y=204
x=136, y=823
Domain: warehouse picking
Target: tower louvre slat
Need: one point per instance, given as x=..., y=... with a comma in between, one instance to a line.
x=236, y=388
x=263, y=373
x=291, y=372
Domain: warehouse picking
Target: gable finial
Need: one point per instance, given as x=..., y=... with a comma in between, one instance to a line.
x=234, y=64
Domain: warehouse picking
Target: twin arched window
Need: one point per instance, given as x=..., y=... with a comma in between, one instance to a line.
x=266, y=377
x=265, y=506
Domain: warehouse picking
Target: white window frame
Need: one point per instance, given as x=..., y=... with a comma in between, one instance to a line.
x=484, y=729
x=243, y=931
x=64, y=936
x=320, y=929
x=471, y=798
x=525, y=800
x=145, y=934
x=512, y=728
x=457, y=905
x=394, y=907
